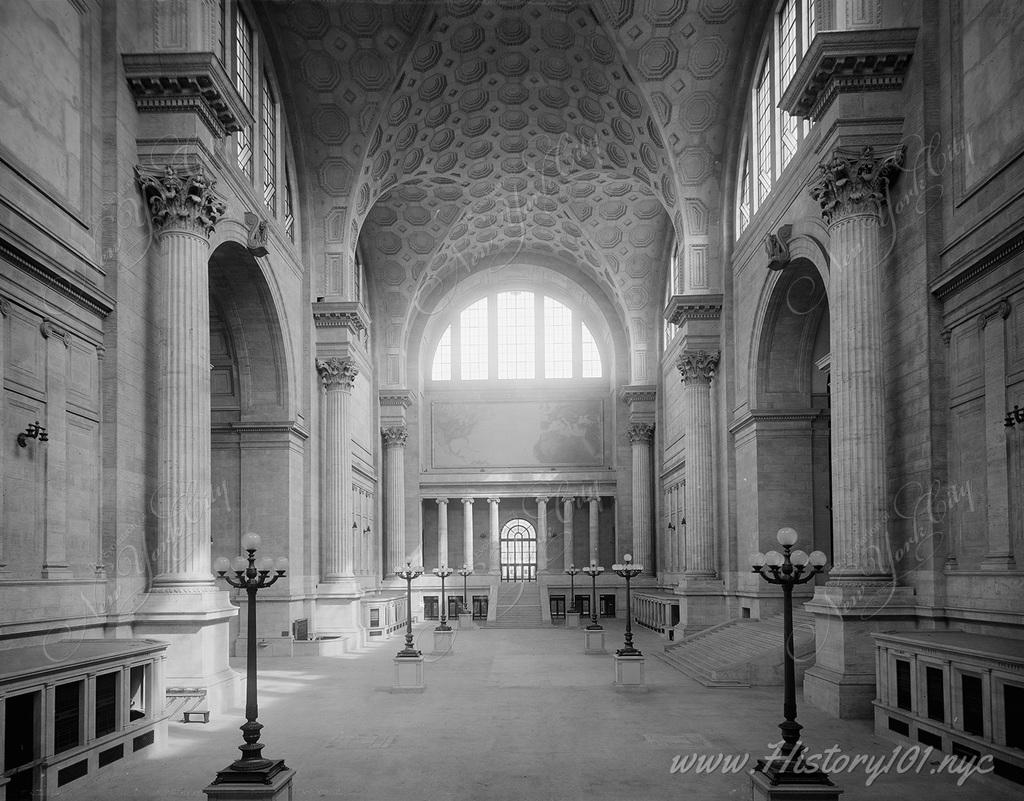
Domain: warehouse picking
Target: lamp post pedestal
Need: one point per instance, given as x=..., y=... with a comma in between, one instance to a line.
x=408, y=675
x=762, y=788
x=572, y=620
x=629, y=673
x=466, y=621
x=444, y=640
x=593, y=641
x=279, y=788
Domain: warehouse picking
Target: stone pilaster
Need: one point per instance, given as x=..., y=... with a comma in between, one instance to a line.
x=184, y=606
x=442, y=531
x=594, y=504
x=568, y=543
x=641, y=435
x=698, y=369
x=55, y=560
x=337, y=377
x=494, y=551
x=542, y=534
x=5, y=309
x=467, y=531
x=394, y=495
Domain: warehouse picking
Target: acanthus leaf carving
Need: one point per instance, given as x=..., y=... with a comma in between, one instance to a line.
x=698, y=366
x=337, y=372
x=181, y=198
x=854, y=182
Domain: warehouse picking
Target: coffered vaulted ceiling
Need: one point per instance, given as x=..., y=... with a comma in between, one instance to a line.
x=441, y=136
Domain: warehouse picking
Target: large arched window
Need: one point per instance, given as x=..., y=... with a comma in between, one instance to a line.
x=516, y=334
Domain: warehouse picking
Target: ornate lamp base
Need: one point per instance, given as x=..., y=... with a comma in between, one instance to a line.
x=250, y=771
x=277, y=788
x=773, y=781
x=408, y=675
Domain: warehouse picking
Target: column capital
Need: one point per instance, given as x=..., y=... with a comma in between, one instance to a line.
x=467, y=500
x=495, y=501
x=855, y=181
x=395, y=436
x=640, y=432
x=441, y=501
x=1000, y=309
x=697, y=366
x=180, y=199
x=337, y=373
x=542, y=499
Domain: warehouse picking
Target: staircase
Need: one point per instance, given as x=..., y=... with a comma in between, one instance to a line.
x=742, y=653
x=518, y=606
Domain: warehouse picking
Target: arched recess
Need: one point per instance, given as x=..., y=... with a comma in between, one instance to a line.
x=256, y=448
x=782, y=446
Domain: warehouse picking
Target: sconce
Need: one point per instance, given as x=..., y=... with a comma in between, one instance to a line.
x=671, y=526
x=366, y=531
x=34, y=431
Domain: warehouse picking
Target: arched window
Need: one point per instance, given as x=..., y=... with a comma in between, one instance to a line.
x=519, y=335
x=518, y=543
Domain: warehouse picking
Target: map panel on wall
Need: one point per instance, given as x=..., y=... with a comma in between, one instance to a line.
x=510, y=434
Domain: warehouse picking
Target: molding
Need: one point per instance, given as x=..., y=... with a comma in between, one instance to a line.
x=683, y=308
x=48, y=328
x=395, y=397
x=873, y=60
x=754, y=416
x=273, y=427
x=999, y=309
x=196, y=82
x=967, y=272
x=90, y=298
x=639, y=393
x=348, y=314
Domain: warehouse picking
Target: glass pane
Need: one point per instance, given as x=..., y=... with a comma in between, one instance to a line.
x=557, y=339
x=745, y=195
x=516, y=335
x=763, y=132
x=591, y=355
x=442, y=369
x=473, y=331
x=269, y=147
x=67, y=713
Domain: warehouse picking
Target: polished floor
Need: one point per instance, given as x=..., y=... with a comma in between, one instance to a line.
x=517, y=714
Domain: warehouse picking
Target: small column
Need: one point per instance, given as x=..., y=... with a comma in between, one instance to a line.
x=595, y=529
x=641, y=435
x=567, y=538
x=337, y=377
x=992, y=323
x=494, y=551
x=697, y=369
x=55, y=560
x=394, y=495
x=442, y=531
x=467, y=531
x=542, y=535
x=184, y=211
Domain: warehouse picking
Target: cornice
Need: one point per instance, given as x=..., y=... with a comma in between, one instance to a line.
x=187, y=82
x=348, y=314
x=967, y=271
x=753, y=416
x=89, y=298
x=683, y=308
x=848, y=61
x=395, y=397
x=639, y=393
x=284, y=427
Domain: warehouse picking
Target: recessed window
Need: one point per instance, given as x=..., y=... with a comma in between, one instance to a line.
x=516, y=335
x=788, y=124
x=269, y=147
x=243, y=83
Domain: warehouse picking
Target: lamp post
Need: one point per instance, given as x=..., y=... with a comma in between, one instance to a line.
x=628, y=570
x=787, y=569
x=573, y=571
x=442, y=573
x=252, y=767
x=408, y=573
x=593, y=570
x=465, y=571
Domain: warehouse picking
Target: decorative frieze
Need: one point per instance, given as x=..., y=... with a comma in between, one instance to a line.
x=684, y=308
x=854, y=182
x=395, y=436
x=180, y=199
x=698, y=366
x=640, y=432
x=395, y=398
x=335, y=372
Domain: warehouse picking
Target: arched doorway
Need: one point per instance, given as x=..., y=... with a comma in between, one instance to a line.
x=518, y=549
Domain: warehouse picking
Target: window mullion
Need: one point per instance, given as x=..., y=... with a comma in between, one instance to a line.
x=456, y=350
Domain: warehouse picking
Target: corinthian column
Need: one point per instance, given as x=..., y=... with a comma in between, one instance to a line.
x=467, y=531
x=594, y=528
x=641, y=435
x=394, y=495
x=442, y=531
x=851, y=188
x=542, y=534
x=337, y=377
x=494, y=552
x=697, y=369
x=567, y=535
x=184, y=211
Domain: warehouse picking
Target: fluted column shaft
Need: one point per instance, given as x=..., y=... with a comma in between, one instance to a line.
x=641, y=435
x=467, y=530
x=542, y=534
x=442, y=531
x=852, y=189
x=567, y=537
x=337, y=377
x=184, y=211
x=595, y=528
x=697, y=369
x=394, y=496
x=494, y=551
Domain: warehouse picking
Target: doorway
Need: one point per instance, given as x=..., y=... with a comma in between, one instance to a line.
x=518, y=549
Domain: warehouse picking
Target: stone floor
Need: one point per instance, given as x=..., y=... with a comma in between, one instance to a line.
x=512, y=714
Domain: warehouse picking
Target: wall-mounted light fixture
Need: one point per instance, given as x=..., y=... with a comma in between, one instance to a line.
x=34, y=431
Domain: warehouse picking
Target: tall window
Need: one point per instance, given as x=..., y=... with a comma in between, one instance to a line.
x=243, y=83
x=269, y=147
x=516, y=335
x=473, y=331
x=788, y=124
x=289, y=215
x=763, y=131
x=744, y=209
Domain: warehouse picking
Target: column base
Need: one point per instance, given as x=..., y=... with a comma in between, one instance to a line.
x=277, y=787
x=842, y=681
x=630, y=674
x=444, y=641
x=767, y=785
x=701, y=604
x=408, y=675
x=1000, y=563
x=337, y=614
x=593, y=641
